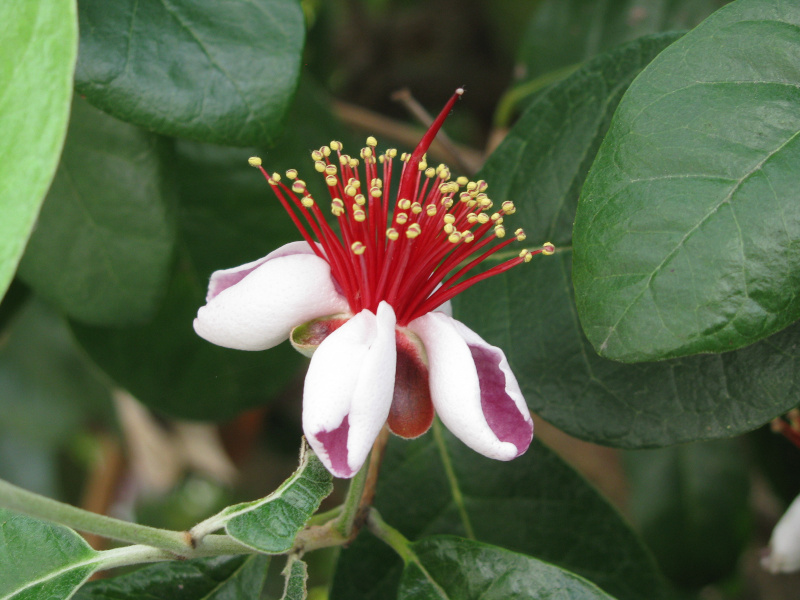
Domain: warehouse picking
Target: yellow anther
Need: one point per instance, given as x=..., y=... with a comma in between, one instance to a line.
x=344, y=159
x=337, y=210
x=508, y=207
x=454, y=237
x=526, y=255
x=319, y=166
x=413, y=231
x=326, y=151
x=337, y=202
x=416, y=208
x=465, y=197
x=360, y=199
x=467, y=236
x=316, y=155
x=483, y=218
x=520, y=234
x=372, y=142
x=376, y=182
x=336, y=146
x=430, y=210
x=391, y=152
x=291, y=174
x=276, y=176
x=401, y=218
x=307, y=201
x=472, y=218
x=404, y=204
x=485, y=203
x=430, y=172
x=366, y=153
x=500, y=231
x=449, y=228
x=354, y=182
x=375, y=192
x=353, y=163
x=462, y=181
x=350, y=190
x=497, y=218
x=331, y=181
x=254, y=161
x=381, y=158
x=422, y=165
x=330, y=169
x=471, y=185
x=447, y=202
x=298, y=187
x=548, y=249
x=482, y=185
x=392, y=234
x=450, y=219
x=358, y=248
x=359, y=215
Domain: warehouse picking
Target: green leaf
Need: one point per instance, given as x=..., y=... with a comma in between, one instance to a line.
x=446, y=567
x=542, y=165
x=692, y=506
x=112, y=206
x=536, y=505
x=40, y=560
x=221, y=72
x=686, y=232
x=37, y=54
x=568, y=32
x=272, y=523
x=296, y=573
x=218, y=578
x=228, y=216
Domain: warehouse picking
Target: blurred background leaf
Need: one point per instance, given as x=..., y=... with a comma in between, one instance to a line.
x=221, y=72
x=102, y=248
x=535, y=505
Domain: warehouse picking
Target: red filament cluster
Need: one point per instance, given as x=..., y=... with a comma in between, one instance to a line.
x=416, y=253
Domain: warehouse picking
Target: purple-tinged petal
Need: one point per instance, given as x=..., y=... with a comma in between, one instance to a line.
x=348, y=390
x=260, y=310
x=473, y=389
x=225, y=278
x=783, y=554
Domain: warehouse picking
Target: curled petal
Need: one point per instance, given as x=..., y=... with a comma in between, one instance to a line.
x=225, y=278
x=783, y=554
x=473, y=389
x=258, y=310
x=348, y=390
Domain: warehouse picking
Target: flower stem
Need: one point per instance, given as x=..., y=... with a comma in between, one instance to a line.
x=176, y=543
x=346, y=520
x=388, y=534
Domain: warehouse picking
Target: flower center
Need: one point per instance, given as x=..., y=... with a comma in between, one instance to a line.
x=417, y=253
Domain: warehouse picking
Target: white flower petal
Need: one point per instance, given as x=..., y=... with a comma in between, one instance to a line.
x=225, y=278
x=784, y=545
x=473, y=389
x=348, y=390
x=260, y=309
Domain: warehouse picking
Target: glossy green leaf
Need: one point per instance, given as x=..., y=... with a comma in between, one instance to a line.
x=569, y=32
x=102, y=248
x=40, y=560
x=218, y=578
x=221, y=72
x=37, y=57
x=228, y=216
x=542, y=165
x=271, y=524
x=536, y=505
x=446, y=567
x=692, y=505
x=296, y=573
x=686, y=232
